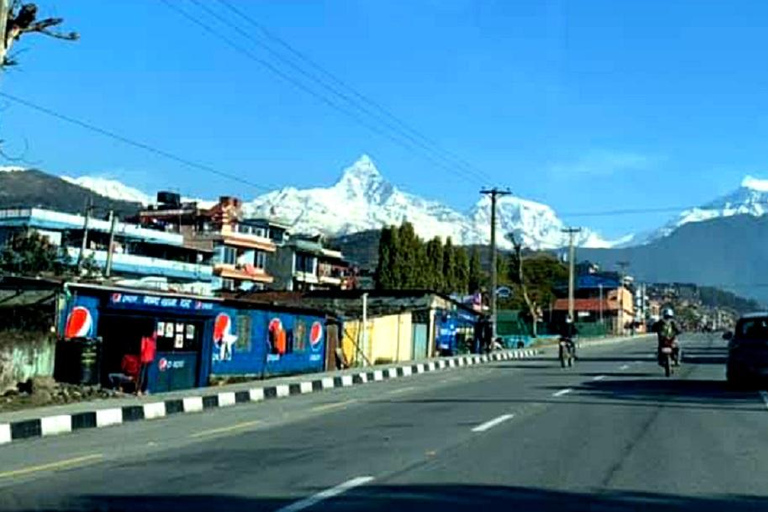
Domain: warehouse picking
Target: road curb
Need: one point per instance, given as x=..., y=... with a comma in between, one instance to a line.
x=47, y=426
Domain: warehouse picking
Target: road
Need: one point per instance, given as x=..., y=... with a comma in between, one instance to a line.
x=611, y=434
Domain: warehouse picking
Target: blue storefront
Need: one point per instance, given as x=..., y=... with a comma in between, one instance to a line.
x=455, y=331
x=197, y=338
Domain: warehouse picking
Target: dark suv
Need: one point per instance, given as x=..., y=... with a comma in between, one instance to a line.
x=748, y=349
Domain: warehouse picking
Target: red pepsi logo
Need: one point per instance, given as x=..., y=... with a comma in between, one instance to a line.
x=162, y=364
x=316, y=335
x=79, y=323
x=222, y=329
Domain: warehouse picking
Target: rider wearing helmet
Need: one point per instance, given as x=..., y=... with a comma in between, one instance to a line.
x=667, y=331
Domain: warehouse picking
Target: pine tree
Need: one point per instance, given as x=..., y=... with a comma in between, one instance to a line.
x=475, y=278
x=462, y=270
x=384, y=272
x=450, y=284
x=434, y=264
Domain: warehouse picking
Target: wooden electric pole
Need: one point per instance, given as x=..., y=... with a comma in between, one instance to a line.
x=494, y=193
x=571, y=270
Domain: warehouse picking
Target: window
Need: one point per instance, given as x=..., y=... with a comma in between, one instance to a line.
x=260, y=261
x=228, y=284
x=229, y=255
x=305, y=263
x=243, y=332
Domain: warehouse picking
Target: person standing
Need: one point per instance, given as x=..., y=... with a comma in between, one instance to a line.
x=146, y=355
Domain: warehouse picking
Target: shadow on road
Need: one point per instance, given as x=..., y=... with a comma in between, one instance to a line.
x=451, y=497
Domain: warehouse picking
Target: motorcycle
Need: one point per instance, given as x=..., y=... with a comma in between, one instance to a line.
x=669, y=357
x=567, y=352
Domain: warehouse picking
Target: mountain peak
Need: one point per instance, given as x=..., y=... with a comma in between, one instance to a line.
x=363, y=181
x=362, y=170
x=755, y=184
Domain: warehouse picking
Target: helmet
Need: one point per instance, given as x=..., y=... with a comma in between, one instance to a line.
x=668, y=313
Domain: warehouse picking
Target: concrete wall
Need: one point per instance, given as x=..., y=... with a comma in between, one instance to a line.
x=390, y=339
x=24, y=355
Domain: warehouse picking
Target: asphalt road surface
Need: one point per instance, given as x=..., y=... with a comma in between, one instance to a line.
x=610, y=434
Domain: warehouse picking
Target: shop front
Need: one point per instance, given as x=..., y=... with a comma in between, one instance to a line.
x=121, y=318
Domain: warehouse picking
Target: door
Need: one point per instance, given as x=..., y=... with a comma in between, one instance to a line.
x=419, y=341
x=331, y=342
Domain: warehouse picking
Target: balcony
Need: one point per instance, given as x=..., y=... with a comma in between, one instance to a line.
x=242, y=273
x=146, y=266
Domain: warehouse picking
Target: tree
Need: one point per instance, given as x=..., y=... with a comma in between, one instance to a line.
x=17, y=19
x=384, y=276
x=462, y=270
x=32, y=254
x=434, y=264
x=475, y=277
x=518, y=277
x=449, y=267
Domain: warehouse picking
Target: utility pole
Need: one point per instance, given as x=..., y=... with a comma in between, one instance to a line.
x=571, y=269
x=600, y=287
x=494, y=193
x=111, y=248
x=364, y=343
x=84, y=243
x=622, y=275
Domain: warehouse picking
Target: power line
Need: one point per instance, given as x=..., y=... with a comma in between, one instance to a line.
x=131, y=142
x=307, y=89
x=361, y=97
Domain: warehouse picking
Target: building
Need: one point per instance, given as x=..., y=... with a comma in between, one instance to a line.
x=599, y=298
x=398, y=325
x=304, y=263
x=240, y=247
x=139, y=255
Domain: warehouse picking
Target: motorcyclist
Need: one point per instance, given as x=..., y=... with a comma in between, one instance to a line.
x=667, y=331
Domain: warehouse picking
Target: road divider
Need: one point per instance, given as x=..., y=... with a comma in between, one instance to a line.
x=562, y=392
x=105, y=414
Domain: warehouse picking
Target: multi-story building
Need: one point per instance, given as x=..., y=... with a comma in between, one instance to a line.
x=139, y=255
x=303, y=263
x=241, y=247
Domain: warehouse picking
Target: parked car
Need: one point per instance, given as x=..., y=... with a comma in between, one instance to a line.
x=747, y=349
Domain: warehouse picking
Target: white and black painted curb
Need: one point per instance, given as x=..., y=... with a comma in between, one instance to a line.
x=98, y=418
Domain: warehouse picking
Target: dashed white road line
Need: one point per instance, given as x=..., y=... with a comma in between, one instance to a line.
x=624, y=367
x=598, y=377
x=764, y=395
x=562, y=392
x=326, y=494
x=492, y=423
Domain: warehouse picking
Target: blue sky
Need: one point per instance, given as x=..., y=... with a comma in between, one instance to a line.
x=585, y=105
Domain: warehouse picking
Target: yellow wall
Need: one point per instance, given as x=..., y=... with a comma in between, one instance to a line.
x=390, y=339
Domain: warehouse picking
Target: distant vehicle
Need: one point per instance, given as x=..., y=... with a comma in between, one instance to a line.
x=747, y=350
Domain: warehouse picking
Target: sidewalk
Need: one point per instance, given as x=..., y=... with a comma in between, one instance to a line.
x=60, y=419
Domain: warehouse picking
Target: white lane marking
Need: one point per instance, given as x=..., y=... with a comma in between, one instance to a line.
x=492, y=423
x=326, y=494
x=624, y=367
x=598, y=377
x=765, y=397
x=562, y=392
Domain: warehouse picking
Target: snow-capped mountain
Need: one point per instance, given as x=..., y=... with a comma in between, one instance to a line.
x=751, y=198
x=112, y=189
x=362, y=199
